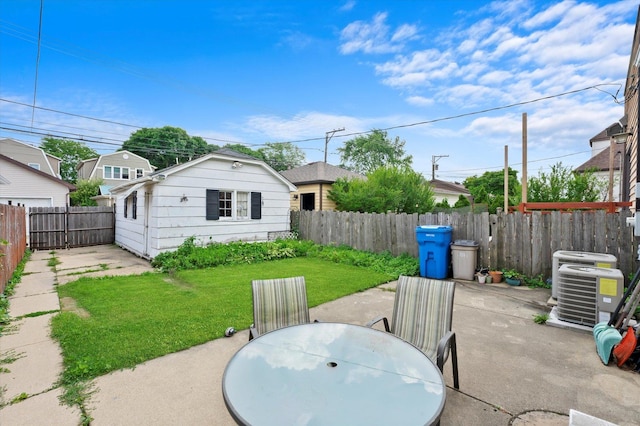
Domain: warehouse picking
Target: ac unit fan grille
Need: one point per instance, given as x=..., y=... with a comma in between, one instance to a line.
x=577, y=299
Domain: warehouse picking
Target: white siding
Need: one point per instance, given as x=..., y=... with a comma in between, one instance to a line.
x=178, y=208
x=27, y=154
x=24, y=185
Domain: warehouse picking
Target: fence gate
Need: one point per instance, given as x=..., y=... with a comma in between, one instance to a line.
x=66, y=227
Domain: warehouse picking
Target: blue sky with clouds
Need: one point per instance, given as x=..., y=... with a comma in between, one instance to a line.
x=441, y=76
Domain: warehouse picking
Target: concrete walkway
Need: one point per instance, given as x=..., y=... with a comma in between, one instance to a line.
x=512, y=371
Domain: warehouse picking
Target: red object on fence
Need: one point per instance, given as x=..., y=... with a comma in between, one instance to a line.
x=610, y=207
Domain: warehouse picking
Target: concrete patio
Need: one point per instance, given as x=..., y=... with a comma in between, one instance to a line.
x=512, y=371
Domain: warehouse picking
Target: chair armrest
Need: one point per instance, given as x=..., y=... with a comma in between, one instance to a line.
x=448, y=341
x=377, y=320
x=253, y=332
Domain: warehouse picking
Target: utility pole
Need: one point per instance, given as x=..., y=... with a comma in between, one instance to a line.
x=327, y=138
x=434, y=166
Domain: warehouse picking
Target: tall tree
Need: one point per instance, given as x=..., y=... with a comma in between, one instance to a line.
x=489, y=189
x=166, y=146
x=394, y=189
x=70, y=152
x=564, y=185
x=282, y=156
x=364, y=154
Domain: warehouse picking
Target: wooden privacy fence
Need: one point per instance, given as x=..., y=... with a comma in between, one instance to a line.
x=525, y=242
x=13, y=241
x=66, y=227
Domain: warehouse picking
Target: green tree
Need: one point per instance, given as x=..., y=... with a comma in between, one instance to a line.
x=489, y=189
x=242, y=149
x=282, y=156
x=166, y=146
x=85, y=189
x=364, y=154
x=462, y=202
x=387, y=189
x=564, y=185
x=70, y=152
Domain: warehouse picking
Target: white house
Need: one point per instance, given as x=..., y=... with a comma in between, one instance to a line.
x=449, y=191
x=30, y=155
x=220, y=197
x=23, y=185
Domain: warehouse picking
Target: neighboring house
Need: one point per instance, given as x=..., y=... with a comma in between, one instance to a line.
x=22, y=185
x=30, y=155
x=219, y=197
x=631, y=104
x=314, y=181
x=600, y=160
x=114, y=169
x=449, y=191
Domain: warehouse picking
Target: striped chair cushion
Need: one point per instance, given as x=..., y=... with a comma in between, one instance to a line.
x=422, y=312
x=279, y=303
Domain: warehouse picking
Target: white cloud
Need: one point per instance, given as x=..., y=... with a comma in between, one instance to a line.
x=420, y=101
x=349, y=5
x=373, y=37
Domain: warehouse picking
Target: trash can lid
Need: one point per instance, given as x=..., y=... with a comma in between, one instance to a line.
x=467, y=243
x=424, y=228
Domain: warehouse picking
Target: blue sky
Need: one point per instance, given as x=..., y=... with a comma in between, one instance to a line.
x=439, y=75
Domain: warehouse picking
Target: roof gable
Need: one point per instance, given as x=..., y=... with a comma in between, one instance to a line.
x=318, y=172
x=38, y=172
x=214, y=156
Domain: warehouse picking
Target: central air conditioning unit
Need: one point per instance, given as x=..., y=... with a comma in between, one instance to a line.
x=588, y=295
x=600, y=260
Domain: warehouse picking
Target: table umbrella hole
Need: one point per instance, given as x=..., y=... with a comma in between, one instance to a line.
x=332, y=364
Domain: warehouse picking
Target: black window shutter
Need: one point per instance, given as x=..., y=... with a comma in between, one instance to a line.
x=126, y=205
x=256, y=205
x=134, y=205
x=213, y=197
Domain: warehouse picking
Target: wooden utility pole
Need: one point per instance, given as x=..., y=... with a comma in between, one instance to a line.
x=612, y=154
x=327, y=138
x=524, y=158
x=506, y=179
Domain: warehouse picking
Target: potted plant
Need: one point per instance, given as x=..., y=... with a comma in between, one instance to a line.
x=482, y=274
x=496, y=276
x=512, y=277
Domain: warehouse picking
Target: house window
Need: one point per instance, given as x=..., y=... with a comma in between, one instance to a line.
x=131, y=205
x=34, y=165
x=233, y=205
x=115, y=172
x=139, y=173
x=225, y=204
x=242, y=205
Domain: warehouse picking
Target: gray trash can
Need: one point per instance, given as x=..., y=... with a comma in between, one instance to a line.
x=464, y=257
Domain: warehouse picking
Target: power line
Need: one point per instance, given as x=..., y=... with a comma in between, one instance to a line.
x=35, y=84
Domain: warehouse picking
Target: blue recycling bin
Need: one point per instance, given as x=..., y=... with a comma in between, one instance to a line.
x=433, y=248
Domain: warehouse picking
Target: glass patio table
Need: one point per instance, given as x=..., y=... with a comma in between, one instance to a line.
x=331, y=374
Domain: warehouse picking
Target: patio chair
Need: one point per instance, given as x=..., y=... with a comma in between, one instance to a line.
x=278, y=303
x=422, y=316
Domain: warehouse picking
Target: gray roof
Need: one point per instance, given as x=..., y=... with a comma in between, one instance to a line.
x=448, y=186
x=600, y=161
x=318, y=172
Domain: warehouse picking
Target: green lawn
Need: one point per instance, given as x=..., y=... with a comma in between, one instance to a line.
x=132, y=319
